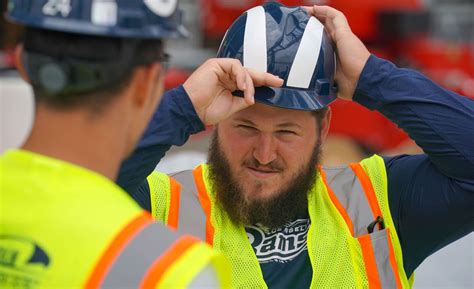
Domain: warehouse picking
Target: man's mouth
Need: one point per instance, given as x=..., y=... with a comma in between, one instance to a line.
x=262, y=172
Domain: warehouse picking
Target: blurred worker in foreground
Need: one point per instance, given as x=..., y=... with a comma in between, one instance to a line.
x=97, y=70
x=262, y=199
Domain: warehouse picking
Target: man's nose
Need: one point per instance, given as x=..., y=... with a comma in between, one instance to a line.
x=265, y=150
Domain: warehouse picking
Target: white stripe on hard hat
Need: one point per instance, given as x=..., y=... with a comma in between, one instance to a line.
x=307, y=55
x=255, y=40
x=162, y=8
x=104, y=13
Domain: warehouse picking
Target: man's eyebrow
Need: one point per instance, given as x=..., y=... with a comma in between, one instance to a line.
x=282, y=125
x=246, y=121
x=289, y=125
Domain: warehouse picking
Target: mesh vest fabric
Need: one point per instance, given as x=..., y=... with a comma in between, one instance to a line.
x=372, y=166
x=161, y=199
x=233, y=242
x=336, y=256
x=331, y=246
x=228, y=238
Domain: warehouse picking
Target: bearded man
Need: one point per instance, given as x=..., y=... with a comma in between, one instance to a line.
x=263, y=200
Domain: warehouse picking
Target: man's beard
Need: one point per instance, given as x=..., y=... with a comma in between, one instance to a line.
x=282, y=207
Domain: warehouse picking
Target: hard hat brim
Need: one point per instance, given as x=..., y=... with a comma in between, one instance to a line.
x=82, y=27
x=293, y=98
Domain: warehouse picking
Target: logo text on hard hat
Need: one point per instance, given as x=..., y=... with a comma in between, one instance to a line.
x=53, y=7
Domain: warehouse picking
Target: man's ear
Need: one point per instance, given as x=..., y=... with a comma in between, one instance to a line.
x=143, y=83
x=325, y=124
x=19, y=62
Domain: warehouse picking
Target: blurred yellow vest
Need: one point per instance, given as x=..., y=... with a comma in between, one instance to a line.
x=62, y=226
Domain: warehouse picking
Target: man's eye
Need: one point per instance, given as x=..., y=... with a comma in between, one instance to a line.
x=246, y=127
x=286, y=132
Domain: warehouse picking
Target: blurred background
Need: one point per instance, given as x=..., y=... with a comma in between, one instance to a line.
x=435, y=37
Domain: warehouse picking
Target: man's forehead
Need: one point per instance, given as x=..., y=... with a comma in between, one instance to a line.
x=274, y=115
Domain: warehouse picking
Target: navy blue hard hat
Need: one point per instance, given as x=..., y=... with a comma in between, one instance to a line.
x=286, y=42
x=150, y=19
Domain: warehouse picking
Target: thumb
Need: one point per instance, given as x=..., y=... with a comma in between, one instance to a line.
x=260, y=78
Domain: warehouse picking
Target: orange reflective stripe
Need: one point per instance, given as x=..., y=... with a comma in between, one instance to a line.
x=174, y=203
x=156, y=271
x=375, y=208
x=368, y=190
x=205, y=203
x=113, y=250
x=393, y=261
x=369, y=261
x=336, y=203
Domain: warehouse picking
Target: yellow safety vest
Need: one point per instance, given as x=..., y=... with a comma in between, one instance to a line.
x=342, y=204
x=62, y=226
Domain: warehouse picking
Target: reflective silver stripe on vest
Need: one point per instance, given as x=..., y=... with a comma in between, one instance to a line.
x=348, y=190
x=142, y=251
x=382, y=258
x=350, y=193
x=191, y=218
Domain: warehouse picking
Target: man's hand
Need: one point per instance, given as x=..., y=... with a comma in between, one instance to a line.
x=210, y=88
x=351, y=53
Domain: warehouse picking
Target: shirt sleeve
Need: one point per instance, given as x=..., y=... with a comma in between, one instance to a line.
x=431, y=195
x=172, y=123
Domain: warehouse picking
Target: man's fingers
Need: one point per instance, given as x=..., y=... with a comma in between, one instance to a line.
x=333, y=19
x=309, y=9
x=239, y=74
x=238, y=104
x=247, y=79
x=234, y=68
x=321, y=16
x=250, y=91
x=243, y=79
x=260, y=78
x=323, y=11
